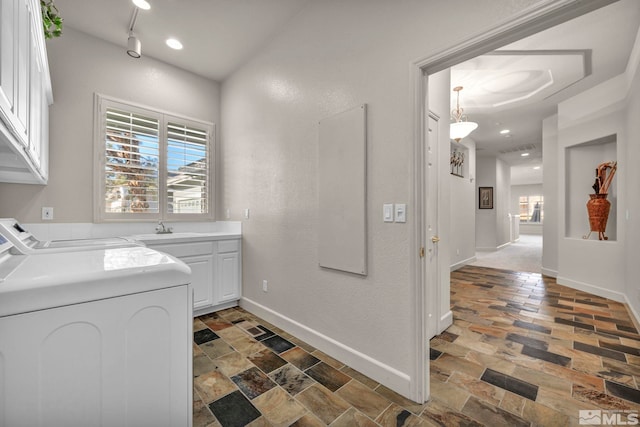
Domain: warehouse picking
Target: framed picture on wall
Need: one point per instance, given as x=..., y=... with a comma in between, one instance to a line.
x=485, y=200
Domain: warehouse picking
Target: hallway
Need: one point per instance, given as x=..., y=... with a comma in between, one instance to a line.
x=523, y=255
x=522, y=351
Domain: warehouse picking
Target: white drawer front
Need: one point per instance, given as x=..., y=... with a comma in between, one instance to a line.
x=228, y=246
x=185, y=249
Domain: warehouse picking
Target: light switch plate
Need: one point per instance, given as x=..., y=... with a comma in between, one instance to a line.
x=401, y=212
x=387, y=212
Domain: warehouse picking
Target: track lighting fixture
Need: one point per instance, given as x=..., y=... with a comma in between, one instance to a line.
x=134, y=47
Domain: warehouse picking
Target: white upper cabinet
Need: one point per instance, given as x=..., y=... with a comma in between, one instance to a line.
x=25, y=93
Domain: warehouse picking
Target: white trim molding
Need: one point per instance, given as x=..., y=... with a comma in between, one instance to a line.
x=462, y=263
x=543, y=15
x=379, y=371
x=549, y=272
x=592, y=289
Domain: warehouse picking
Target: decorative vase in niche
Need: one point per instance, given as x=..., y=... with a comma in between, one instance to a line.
x=598, y=209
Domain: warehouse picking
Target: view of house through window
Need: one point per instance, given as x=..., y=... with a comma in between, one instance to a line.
x=132, y=152
x=531, y=209
x=155, y=165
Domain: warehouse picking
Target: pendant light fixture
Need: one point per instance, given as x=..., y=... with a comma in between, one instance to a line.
x=460, y=127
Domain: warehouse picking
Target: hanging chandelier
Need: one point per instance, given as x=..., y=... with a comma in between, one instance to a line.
x=461, y=127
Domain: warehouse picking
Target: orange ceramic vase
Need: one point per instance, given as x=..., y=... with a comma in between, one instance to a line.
x=598, y=209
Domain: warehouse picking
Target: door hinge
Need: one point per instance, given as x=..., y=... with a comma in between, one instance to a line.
x=422, y=252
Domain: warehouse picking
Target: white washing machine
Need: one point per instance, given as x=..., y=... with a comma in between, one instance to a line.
x=95, y=338
x=26, y=243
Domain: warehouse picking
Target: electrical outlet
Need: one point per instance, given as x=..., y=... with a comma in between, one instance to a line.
x=47, y=214
x=265, y=286
x=246, y=213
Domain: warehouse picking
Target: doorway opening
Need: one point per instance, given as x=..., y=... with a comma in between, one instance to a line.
x=428, y=312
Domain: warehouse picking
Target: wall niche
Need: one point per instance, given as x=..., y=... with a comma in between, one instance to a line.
x=580, y=174
x=459, y=160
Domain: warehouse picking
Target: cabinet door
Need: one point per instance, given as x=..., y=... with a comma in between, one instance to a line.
x=201, y=279
x=227, y=277
x=22, y=70
x=115, y=362
x=8, y=30
x=199, y=257
x=37, y=98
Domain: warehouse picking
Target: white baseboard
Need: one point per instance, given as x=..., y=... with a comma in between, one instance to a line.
x=386, y=375
x=492, y=248
x=592, y=289
x=504, y=245
x=462, y=263
x=633, y=312
x=549, y=272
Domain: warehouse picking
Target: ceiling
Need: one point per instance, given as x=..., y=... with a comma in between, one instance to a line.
x=513, y=88
x=519, y=85
x=218, y=35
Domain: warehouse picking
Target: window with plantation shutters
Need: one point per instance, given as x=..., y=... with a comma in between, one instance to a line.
x=152, y=165
x=187, y=171
x=132, y=162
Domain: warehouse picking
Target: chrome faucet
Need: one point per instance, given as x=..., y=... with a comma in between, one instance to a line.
x=161, y=229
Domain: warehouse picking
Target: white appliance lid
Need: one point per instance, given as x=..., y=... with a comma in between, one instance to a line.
x=36, y=282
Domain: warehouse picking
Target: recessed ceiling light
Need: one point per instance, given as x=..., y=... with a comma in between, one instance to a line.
x=142, y=4
x=536, y=168
x=524, y=154
x=174, y=44
x=504, y=131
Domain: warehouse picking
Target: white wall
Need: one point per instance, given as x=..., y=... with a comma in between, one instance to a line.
x=80, y=66
x=463, y=212
x=492, y=225
x=514, y=205
x=550, y=179
x=591, y=265
x=486, y=232
x=631, y=152
x=332, y=56
x=502, y=199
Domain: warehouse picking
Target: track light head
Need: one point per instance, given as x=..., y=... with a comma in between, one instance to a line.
x=134, y=48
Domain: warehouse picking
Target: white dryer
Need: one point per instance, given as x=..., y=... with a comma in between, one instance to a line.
x=95, y=338
x=26, y=243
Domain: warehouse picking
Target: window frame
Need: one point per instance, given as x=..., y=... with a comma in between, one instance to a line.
x=101, y=104
x=529, y=196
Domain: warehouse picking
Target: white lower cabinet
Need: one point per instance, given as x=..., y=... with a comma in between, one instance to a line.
x=228, y=271
x=201, y=279
x=216, y=270
x=123, y=361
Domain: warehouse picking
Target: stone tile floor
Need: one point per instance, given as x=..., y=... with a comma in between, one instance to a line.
x=522, y=351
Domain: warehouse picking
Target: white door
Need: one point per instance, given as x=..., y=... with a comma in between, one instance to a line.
x=228, y=277
x=430, y=228
x=201, y=279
